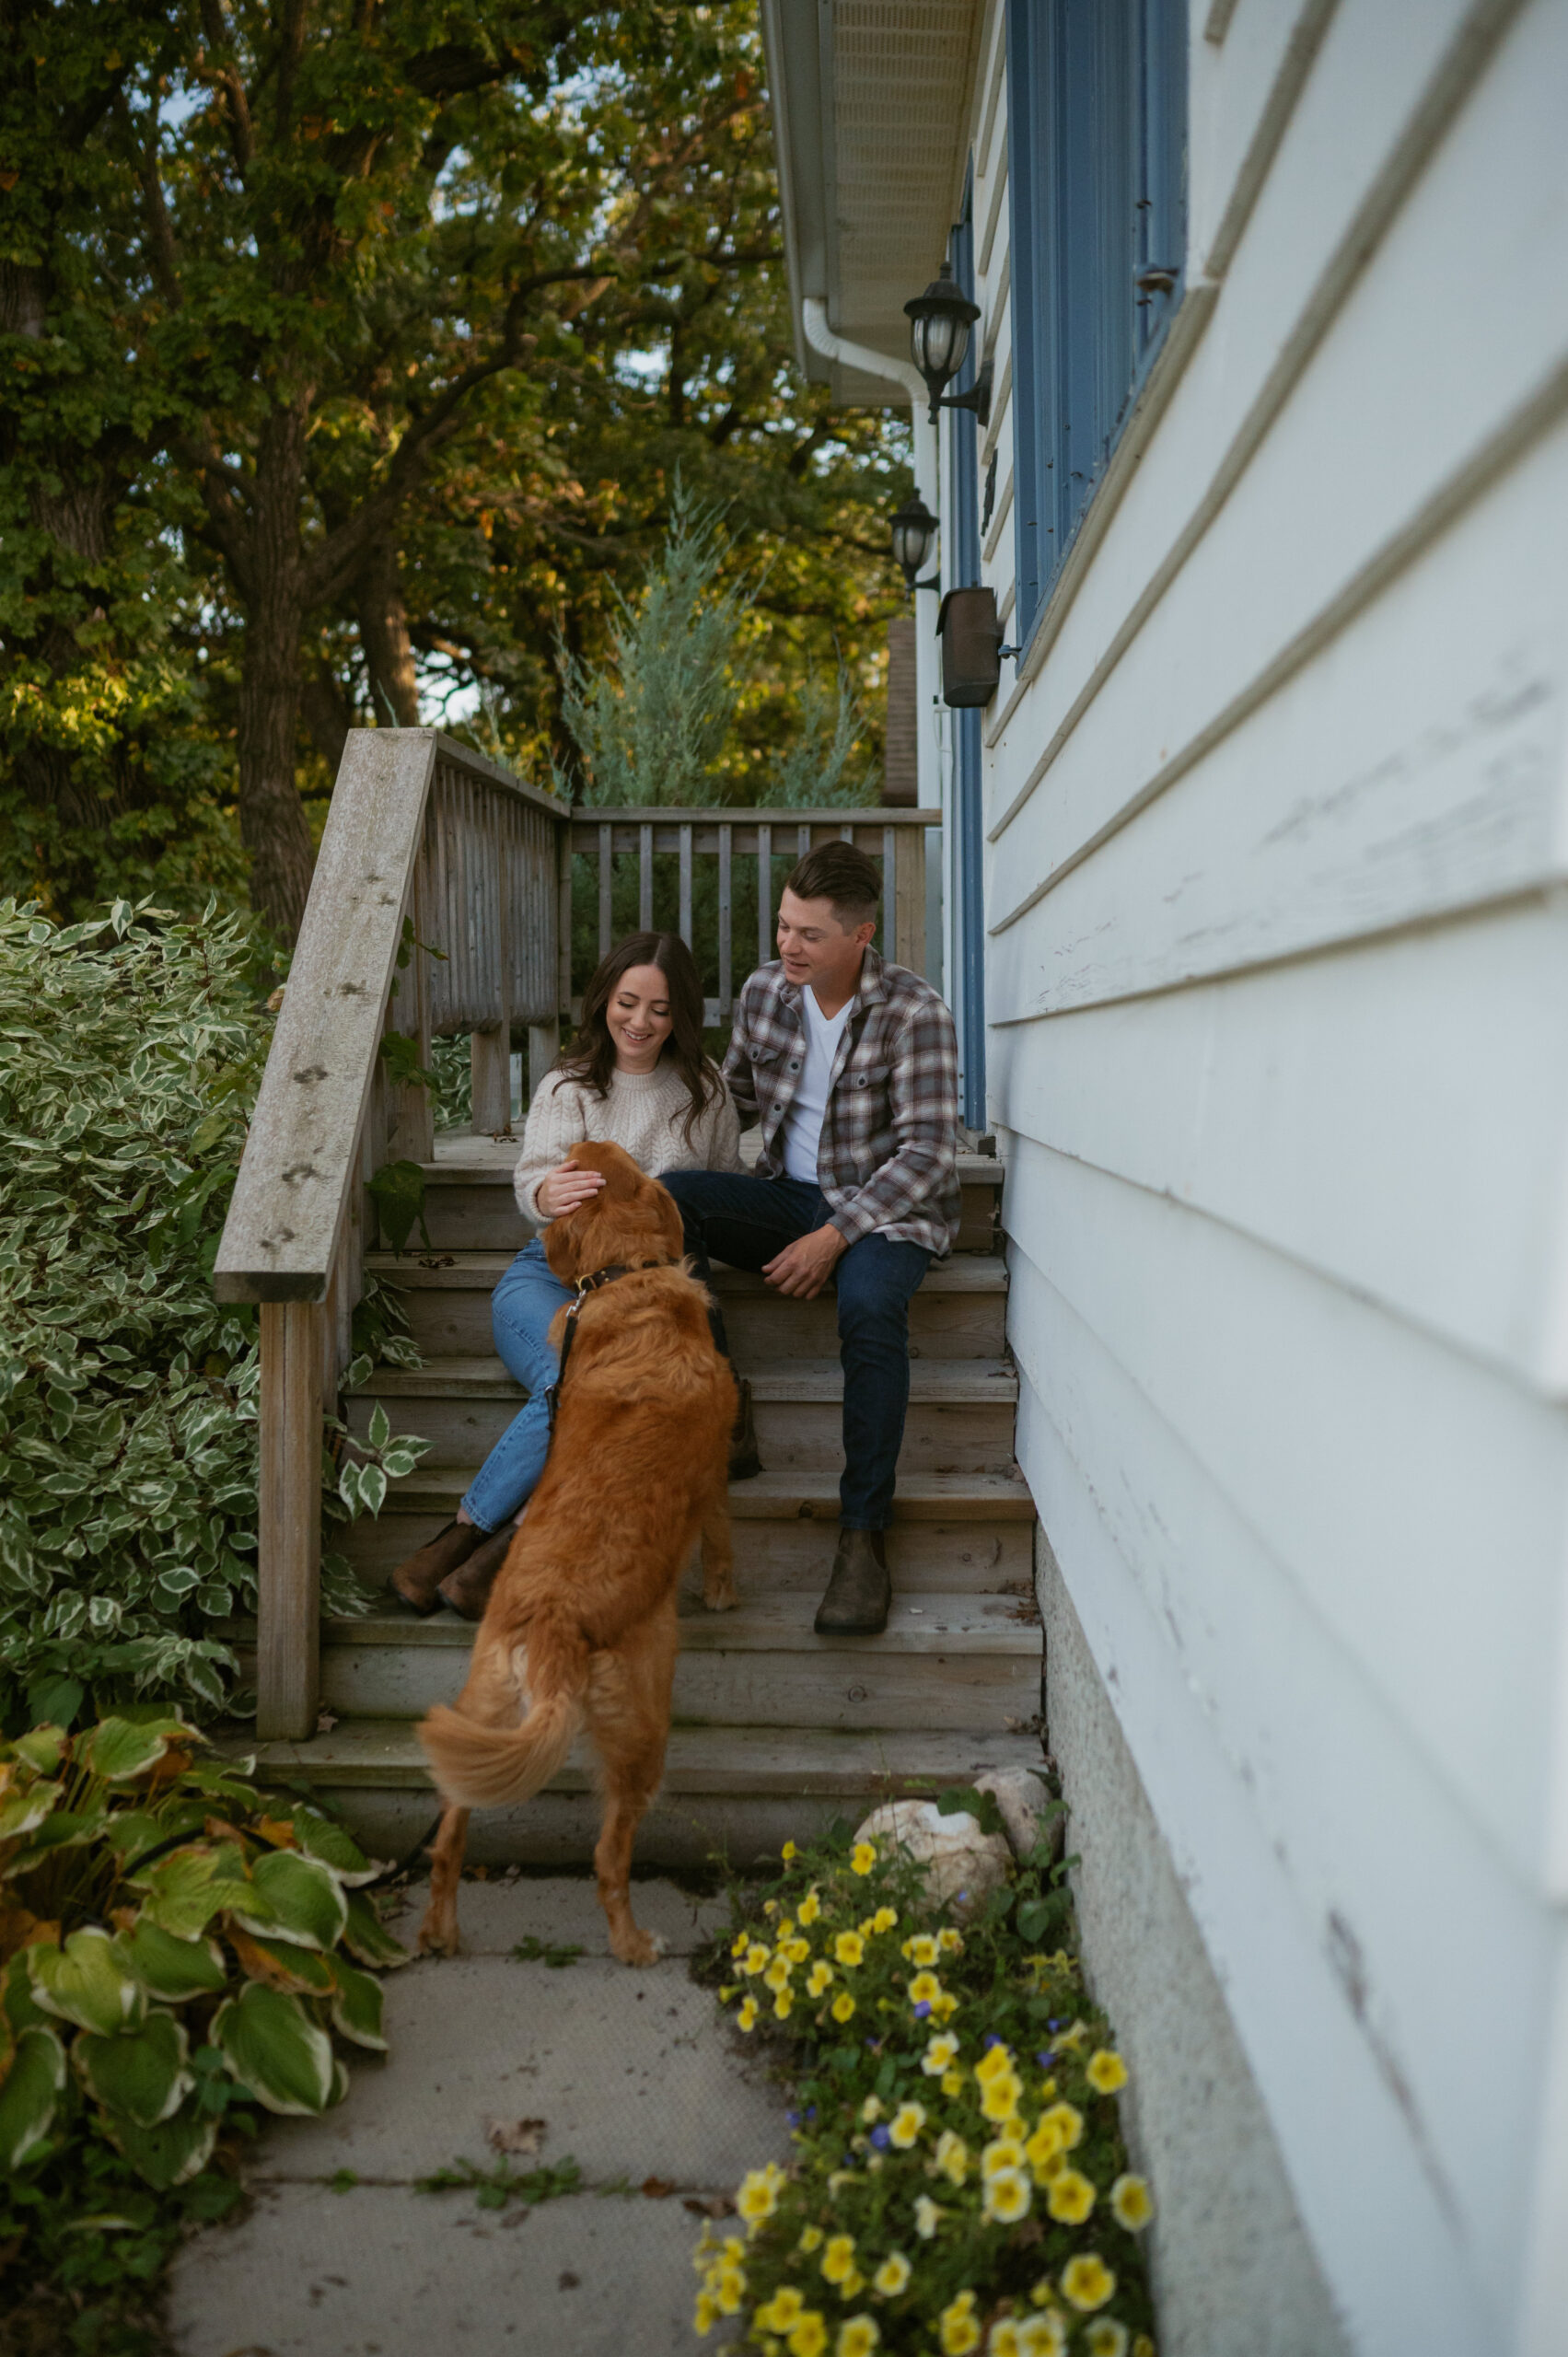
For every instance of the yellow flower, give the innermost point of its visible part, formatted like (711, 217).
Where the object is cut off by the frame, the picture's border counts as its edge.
(908, 2121)
(798, 1950)
(1043, 2147)
(784, 2310)
(951, 1943)
(810, 1908)
(957, 2327)
(810, 2238)
(838, 2260)
(789, 1851)
(707, 2314)
(769, 1907)
(993, 2062)
(741, 1943)
(1046, 2089)
(842, 2007)
(756, 1958)
(871, 2110)
(747, 2017)
(777, 1974)
(1131, 2204)
(1000, 2098)
(1067, 2121)
(1087, 2282)
(809, 2337)
(784, 2004)
(924, 1989)
(1143, 2346)
(863, 1857)
(1105, 2337)
(1042, 2336)
(945, 2006)
(821, 1976)
(926, 2217)
(731, 2291)
(952, 2155)
(759, 2195)
(1004, 2340)
(1106, 2070)
(1007, 2197)
(892, 2275)
(858, 2338)
(921, 1950)
(853, 2286)
(1007, 2153)
(849, 1948)
(952, 2083)
(1070, 2197)
(941, 2052)
(884, 1919)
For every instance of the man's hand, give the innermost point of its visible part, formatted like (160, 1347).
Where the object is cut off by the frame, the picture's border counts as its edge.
(562, 1190)
(803, 1267)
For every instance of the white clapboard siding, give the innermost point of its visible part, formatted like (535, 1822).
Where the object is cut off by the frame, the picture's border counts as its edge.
(1399, 2272)
(1240, 97)
(1375, 1467)
(1376, 415)
(1302, 1745)
(1415, 768)
(1267, 1101)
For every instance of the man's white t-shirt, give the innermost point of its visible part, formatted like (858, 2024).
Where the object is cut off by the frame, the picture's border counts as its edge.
(803, 1122)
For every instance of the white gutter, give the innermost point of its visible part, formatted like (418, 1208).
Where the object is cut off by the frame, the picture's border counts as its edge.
(911, 388)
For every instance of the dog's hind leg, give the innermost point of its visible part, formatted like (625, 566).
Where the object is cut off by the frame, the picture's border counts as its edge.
(627, 1708)
(492, 1696)
(718, 1551)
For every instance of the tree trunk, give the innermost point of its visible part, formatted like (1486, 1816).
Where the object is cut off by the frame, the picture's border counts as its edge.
(383, 636)
(271, 816)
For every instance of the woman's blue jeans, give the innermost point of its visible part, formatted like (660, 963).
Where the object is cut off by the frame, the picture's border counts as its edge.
(520, 1310)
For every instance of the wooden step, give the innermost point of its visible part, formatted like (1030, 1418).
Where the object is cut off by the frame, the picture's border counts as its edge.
(943, 1662)
(952, 1533)
(739, 1792)
(959, 1313)
(469, 1204)
(959, 1419)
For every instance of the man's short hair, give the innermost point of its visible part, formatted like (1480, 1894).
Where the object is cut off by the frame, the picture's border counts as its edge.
(851, 880)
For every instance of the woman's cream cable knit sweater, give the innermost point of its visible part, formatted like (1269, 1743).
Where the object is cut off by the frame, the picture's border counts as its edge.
(645, 1112)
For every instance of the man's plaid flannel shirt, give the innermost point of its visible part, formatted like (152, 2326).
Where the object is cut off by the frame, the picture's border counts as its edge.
(887, 1157)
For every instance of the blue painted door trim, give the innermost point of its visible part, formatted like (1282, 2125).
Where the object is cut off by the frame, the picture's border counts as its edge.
(968, 831)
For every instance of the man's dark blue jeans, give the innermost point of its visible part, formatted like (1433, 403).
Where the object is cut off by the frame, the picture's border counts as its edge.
(746, 1221)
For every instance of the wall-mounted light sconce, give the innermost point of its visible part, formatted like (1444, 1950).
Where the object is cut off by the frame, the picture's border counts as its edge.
(913, 529)
(940, 320)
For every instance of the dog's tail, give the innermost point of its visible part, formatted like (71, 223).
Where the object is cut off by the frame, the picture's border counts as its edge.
(481, 1766)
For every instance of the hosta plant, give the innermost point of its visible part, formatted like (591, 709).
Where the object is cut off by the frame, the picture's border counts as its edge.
(172, 1946)
(960, 2181)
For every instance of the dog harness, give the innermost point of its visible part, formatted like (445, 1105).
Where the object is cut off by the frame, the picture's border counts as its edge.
(585, 1285)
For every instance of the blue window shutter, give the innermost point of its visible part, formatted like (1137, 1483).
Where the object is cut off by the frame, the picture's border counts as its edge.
(1097, 100)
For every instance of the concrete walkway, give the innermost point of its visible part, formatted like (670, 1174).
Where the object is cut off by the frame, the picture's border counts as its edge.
(632, 2076)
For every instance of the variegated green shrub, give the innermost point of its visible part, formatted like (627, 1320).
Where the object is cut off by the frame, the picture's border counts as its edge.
(171, 1947)
(129, 1054)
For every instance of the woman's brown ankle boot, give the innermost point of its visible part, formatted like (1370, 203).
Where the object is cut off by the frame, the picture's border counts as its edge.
(468, 1588)
(417, 1579)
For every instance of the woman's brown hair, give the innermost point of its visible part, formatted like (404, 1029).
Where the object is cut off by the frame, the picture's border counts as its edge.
(591, 1056)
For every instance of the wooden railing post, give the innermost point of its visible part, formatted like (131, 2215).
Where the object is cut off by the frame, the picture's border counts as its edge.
(490, 1046)
(288, 1599)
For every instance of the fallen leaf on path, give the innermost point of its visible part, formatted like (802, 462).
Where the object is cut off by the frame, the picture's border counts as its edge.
(515, 2136)
(658, 2188)
(709, 2205)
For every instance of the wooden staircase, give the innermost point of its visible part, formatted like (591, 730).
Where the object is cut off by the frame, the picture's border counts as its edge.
(776, 1730)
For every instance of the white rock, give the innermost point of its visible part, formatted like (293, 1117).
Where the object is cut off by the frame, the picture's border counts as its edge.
(962, 1859)
(1023, 1800)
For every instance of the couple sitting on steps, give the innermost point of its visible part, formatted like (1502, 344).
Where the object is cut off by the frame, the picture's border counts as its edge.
(849, 1066)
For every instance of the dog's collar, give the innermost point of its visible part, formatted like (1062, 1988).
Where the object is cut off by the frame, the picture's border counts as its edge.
(614, 1269)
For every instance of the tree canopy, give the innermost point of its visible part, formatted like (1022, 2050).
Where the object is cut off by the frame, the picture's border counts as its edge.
(352, 352)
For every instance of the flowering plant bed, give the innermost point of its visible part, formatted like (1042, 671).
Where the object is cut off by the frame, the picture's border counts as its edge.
(961, 2181)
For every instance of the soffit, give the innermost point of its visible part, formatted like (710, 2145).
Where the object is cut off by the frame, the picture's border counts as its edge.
(871, 104)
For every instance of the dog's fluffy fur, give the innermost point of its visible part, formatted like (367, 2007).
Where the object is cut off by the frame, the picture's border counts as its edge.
(581, 1624)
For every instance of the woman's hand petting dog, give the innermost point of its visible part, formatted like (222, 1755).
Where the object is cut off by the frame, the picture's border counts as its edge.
(562, 1190)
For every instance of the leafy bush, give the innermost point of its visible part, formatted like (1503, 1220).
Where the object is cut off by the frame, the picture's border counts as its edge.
(961, 2179)
(174, 1953)
(129, 1054)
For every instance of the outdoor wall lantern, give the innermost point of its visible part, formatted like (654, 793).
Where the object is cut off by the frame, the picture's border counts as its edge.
(913, 528)
(940, 320)
(971, 646)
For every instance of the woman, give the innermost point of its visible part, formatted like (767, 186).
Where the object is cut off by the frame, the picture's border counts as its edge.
(636, 1073)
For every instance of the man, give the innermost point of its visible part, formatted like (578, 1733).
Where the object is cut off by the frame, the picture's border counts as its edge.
(850, 1068)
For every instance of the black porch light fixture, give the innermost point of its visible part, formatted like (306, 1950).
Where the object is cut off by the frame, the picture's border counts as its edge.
(940, 320)
(912, 528)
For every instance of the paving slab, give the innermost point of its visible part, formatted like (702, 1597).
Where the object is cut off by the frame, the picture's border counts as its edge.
(382, 2271)
(632, 2074)
(562, 1911)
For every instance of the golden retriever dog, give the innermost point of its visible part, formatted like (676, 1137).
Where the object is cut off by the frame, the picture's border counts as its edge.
(580, 1629)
